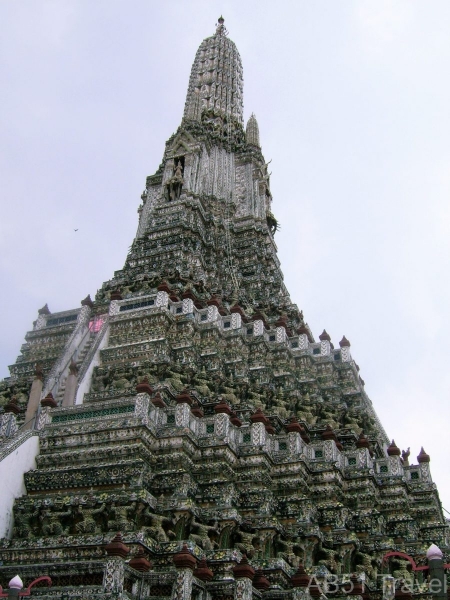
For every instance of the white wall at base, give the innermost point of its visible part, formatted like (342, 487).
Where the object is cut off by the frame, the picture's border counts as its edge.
(12, 485)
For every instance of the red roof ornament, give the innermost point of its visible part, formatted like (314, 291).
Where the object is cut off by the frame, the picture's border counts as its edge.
(294, 425)
(260, 581)
(197, 410)
(393, 449)
(222, 407)
(116, 547)
(244, 569)
(12, 406)
(139, 561)
(235, 420)
(282, 321)
(184, 559)
(300, 578)
(355, 586)
(324, 336)
(158, 401)
(184, 398)
(49, 401)
(164, 287)
(423, 457)
(115, 295)
(344, 343)
(328, 434)
(203, 572)
(143, 387)
(259, 417)
(214, 301)
(362, 441)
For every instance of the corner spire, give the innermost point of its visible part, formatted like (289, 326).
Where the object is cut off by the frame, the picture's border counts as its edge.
(252, 132)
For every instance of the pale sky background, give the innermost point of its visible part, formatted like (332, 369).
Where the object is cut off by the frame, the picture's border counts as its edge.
(352, 100)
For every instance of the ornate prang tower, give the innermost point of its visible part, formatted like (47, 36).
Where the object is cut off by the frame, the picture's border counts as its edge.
(184, 435)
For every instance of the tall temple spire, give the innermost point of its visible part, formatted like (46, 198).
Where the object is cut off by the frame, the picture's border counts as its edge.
(216, 77)
(188, 411)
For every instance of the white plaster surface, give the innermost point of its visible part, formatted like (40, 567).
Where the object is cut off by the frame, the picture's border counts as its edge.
(12, 469)
(85, 384)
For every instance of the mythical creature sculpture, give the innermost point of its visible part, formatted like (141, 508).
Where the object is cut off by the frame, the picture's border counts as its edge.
(204, 535)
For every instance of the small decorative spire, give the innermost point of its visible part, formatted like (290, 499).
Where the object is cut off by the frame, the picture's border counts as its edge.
(362, 442)
(344, 343)
(116, 547)
(49, 401)
(300, 578)
(222, 407)
(139, 561)
(252, 132)
(184, 398)
(158, 401)
(423, 456)
(393, 449)
(243, 569)
(203, 572)
(143, 387)
(293, 425)
(197, 410)
(184, 559)
(324, 336)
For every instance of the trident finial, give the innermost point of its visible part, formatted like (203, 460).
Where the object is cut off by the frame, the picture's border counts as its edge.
(220, 27)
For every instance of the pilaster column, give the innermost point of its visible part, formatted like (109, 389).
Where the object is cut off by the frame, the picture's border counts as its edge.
(71, 385)
(243, 574)
(34, 398)
(185, 564)
(114, 573)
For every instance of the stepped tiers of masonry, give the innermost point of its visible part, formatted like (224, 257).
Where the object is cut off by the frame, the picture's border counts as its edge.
(184, 435)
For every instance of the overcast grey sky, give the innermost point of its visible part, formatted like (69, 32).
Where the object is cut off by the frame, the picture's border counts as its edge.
(352, 100)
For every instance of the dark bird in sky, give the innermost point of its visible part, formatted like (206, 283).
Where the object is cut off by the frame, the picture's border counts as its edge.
(75, 229)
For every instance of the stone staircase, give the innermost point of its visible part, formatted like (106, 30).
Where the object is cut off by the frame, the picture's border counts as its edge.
(80, 360)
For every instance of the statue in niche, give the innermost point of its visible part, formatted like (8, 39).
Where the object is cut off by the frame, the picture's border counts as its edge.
(174, 185)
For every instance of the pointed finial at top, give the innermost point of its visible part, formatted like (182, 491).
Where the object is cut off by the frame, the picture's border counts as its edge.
(434, 552)
(220, 27)
(16, 583)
